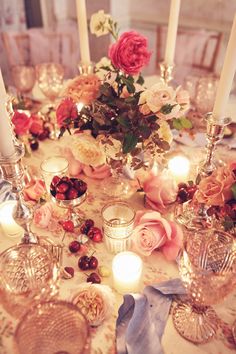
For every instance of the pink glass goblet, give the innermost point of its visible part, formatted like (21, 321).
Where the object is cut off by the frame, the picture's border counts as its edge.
(24, 78)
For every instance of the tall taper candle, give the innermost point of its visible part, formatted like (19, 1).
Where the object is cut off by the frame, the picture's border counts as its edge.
(172, 32)
(226, 77)
(6, 137)
(83, 31)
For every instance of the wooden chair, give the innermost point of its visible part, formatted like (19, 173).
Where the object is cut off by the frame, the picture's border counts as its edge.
(17, 48)
(195, 49)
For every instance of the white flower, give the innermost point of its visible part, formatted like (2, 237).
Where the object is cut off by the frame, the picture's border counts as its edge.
(87, 150)
(104, 61)
(99, 23)
(95, 301)
(105, 75)
(164, 132)
(159, 95)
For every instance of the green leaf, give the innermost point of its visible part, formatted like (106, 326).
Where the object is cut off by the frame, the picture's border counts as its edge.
(167, 108)
(233, 189)
(124, 121)
(144, 131)
(228, 223)
(129, 82)
(130, 141)
(186, 123)
(140, 80)
(177, 124)
(152, 119)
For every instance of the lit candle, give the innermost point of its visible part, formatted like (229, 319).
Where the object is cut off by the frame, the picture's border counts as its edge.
(8, 224)
(53, 166)
(127, 271)
(172, 32)
(226, 77)
(6, 138)
(179, 166)
(83, 31)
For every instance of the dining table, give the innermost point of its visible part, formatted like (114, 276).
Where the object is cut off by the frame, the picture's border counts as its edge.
(156, 268)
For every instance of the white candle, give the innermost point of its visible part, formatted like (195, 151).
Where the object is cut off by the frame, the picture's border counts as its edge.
(179, 167)
(127, 272)
(172, 31)
(8, 224)
(83, 31)
(53, 166)
(226, 78)
(6, 138)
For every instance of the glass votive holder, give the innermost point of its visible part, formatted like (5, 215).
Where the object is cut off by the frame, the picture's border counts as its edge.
(179, 166)
(8, 225)
(127, 272)
(118, 220)
(53, 166)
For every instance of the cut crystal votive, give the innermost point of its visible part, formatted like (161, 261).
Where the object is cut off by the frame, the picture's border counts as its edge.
(118, 221)
(55, 327)
(28, 274)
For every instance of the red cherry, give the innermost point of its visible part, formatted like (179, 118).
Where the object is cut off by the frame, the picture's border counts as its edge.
(65, 179)
(70, 270)
(93, 262)
(74, 246)
(83, 263)
(89, 223)
(60, 196)
(72, 194)
(84, 229)
(55, 180)
(95, 234)
(62, 187)
(191, 191)
(182, 185)
(68, 225)
(34, 145)
(94, 278)
(80, 186)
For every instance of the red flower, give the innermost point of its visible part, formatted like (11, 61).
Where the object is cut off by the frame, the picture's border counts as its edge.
(21, 122)
(130, 53)
(66, 110)
(36, 126)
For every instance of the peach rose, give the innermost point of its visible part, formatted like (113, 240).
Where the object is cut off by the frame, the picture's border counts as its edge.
(216, 189)
(160, 191)
(152, 231)
(158, 95)
(66, 110)
(42, 215)
(83, 89)
(35, 190)
(99, 172)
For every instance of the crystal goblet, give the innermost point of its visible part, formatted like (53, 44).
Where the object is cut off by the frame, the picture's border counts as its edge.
(28, 273)
(55, 327)
(24, 78)
(207, 267)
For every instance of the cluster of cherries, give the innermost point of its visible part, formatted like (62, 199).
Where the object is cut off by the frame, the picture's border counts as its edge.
(65, 188)
(90, 263)
(186, 191)
(34, 140)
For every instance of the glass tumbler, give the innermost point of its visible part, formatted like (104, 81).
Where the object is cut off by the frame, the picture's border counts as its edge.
(118, 220)
(54, 327)
(53, 166)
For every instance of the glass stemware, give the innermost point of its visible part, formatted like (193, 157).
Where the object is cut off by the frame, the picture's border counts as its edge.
(24, 78)
(207, 267)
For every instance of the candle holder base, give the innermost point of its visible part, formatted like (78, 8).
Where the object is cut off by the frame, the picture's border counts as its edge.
(86, 68)
(166, 71)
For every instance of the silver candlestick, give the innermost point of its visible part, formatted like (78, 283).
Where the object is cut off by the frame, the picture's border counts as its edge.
(166, 72)
(215, 132)
(86, 69)
(13, 171)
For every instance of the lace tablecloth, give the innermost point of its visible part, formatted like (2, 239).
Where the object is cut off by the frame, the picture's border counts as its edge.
(156, 269)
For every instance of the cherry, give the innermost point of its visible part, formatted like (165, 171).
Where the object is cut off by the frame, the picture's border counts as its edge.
(74, 246)
(93, 262)
(94, 278)
(62, 187)
(55, 181)
(183, 195)
(84, 229)
(72, 193)
(44, 135)
(89, 223)
(182, 185)
(70, 270)
(191, 191)
(34, 145)
(60, 196)
(68, 225)
(83, 263)
(95, 234)
(80, 186)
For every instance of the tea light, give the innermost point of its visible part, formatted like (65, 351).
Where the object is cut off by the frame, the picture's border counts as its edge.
(179, 167)
(118, 220)
(53, 166)
(127, 271)
(8, 224)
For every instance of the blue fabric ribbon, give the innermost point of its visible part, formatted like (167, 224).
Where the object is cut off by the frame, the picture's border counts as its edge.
(142, 318)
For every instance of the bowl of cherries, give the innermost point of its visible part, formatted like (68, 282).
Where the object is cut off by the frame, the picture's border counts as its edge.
(69, 193)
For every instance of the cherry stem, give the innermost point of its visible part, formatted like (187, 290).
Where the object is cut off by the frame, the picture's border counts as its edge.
(63, 236)
(92, 253)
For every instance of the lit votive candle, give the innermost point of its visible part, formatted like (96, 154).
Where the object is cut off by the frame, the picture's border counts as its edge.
(53, 166)
(8, 224)
(127, 272)
(179, 166)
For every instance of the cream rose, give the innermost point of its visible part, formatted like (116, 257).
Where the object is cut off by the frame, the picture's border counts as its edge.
(159, 95)
(99, 23)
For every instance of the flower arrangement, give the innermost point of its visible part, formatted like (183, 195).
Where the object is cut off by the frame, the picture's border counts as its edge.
(118, 108)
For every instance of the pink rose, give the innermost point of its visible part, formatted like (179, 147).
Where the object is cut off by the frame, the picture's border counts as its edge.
(99, 172)
(216, 189)
(66, 110)
(36, 125)
(35, 190)
(160, 190)
(152, 231)
(42, 215)
(130, 53)
(21, 122)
